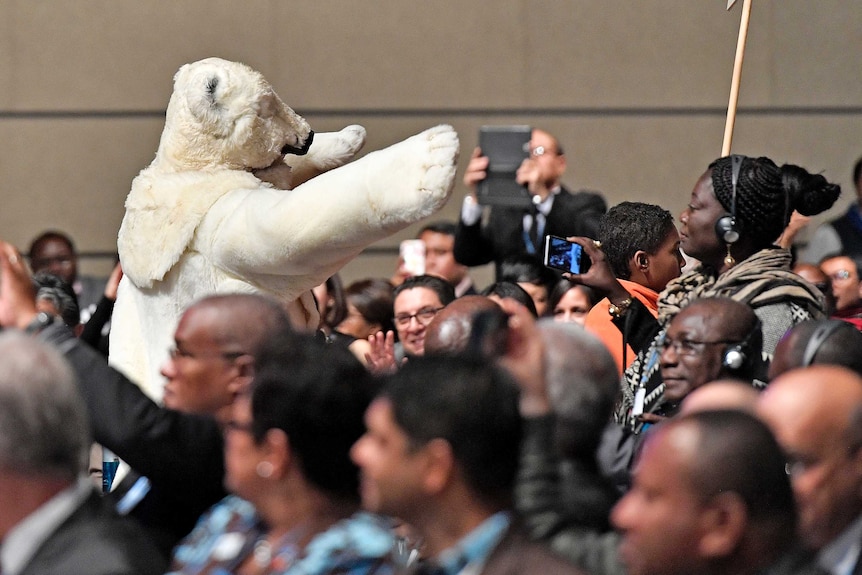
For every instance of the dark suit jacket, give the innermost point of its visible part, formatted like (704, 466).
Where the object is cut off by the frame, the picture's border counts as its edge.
(181, 454)
(516, 555)
(94, 540)
(503, 236)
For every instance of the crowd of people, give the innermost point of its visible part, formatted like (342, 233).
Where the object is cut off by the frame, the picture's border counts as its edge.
(692, 402)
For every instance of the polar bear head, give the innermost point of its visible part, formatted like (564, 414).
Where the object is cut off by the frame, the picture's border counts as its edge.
(225, 115)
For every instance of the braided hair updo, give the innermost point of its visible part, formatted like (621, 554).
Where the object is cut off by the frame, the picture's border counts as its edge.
(766, 195)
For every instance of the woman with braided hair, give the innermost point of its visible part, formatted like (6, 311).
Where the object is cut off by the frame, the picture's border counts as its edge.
(738, 209)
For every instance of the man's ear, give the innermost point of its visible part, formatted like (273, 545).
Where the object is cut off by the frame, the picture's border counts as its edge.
(641, 259)
(723, 523)
(439, 465)
(244, 366)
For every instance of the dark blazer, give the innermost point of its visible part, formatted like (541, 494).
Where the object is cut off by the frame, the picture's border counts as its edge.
(94, 540)
(517, 555)
(181, 454)
(572, 214)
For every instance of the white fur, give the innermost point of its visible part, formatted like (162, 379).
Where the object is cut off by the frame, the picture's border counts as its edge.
(214, 212)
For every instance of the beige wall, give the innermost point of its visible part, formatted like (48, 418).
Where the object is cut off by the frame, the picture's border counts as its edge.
(636, 91)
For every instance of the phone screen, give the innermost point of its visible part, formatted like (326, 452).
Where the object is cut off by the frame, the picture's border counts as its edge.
(561, 254)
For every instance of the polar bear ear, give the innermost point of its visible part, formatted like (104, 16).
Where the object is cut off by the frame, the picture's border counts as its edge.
(204, 87)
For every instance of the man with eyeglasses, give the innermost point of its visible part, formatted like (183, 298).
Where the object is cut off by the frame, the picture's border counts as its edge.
(416, 302)
(514, 231)
(816, 415)
(843, 272)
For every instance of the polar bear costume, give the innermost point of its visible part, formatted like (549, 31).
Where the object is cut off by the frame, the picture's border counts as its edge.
(222, 209)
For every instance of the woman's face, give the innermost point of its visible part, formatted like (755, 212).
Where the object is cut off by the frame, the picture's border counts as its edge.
(241, 454)
(572, 307)
(356, 325)
(697, 234)
(539, 295)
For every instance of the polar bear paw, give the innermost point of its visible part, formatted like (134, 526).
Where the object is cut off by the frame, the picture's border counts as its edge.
(430, 159)
(328, 151)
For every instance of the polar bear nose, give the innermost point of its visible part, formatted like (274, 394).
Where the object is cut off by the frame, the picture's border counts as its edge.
(288, 149)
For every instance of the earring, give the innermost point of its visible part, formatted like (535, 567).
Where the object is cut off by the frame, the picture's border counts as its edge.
(728, 259)
(264, 469)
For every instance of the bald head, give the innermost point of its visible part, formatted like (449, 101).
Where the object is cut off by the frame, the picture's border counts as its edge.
(242, 322)
(449, 331)
(816, 415)
(816, 342)
(721, 394)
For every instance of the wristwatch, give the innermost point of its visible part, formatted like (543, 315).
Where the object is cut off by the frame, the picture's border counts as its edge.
(40, 322)
(617, 311)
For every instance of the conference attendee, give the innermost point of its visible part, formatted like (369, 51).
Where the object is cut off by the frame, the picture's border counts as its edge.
(533, 277)
(511, 231)
(846, 285)
(641, 244)
(721, 394)
(570, 302)
(294, 506)
(816, 415)
(175, 450)
(502, 290)
(818, 342)
(816, 277)
(842, 235)
(439, 240)
(451, 330)
(737, 210)
(53, 251)
(52, 521)
(710, 496)
(441, 452)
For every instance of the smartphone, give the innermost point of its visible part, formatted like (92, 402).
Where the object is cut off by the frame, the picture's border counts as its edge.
(561, 254)
(412, 253)
(506, 147)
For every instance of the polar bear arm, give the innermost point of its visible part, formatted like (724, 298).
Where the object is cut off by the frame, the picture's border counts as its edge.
(329, 150)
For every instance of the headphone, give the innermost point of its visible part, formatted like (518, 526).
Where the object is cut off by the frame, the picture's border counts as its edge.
(823, 332)
(725, 227)
(739, 356)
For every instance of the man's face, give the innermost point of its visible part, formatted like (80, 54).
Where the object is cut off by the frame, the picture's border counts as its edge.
(414, 309)
(660, 516)
(202, 376)
(694, 347)
(825, 472)
(56, 257)
(845, 281)
(391, 473)
(545, 153)
(440, 259)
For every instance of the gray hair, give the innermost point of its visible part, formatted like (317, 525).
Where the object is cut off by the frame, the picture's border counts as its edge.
(583, 386)
(43, 422)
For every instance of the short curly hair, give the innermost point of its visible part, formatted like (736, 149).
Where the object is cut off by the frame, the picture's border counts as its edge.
(629, 227)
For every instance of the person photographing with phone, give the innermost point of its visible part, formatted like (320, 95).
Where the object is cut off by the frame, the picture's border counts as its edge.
(548, 209)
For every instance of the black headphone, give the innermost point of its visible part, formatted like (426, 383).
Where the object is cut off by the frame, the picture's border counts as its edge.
(739, 356)
(725, 227)
(819, 337)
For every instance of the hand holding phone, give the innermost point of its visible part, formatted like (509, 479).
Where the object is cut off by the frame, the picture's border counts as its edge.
(566, 256)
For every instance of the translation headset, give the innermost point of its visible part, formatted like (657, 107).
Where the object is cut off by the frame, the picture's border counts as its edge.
(725, 227)
(823, 332)
(739, 356)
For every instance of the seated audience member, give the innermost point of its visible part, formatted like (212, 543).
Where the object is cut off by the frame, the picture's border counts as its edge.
(51, 518)
(710, 496)
(641, 244)
(843, 273)
(331, 303)
(295, 502)
(818, 342)
(816, 277)
(570, 302)
(498, 291)
(369, 310)
(514, 231)
(816, 415)
(441, 452)
(451, 329)
(439, 240)
(176, 450)
(532, 276)
(53, 252)
(842, 235)
(561, 493)
(721, 394)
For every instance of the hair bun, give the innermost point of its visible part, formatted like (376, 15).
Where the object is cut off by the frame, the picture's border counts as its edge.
(809, 194)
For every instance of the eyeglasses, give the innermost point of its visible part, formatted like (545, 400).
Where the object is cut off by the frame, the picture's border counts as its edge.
(690, 347)
(177, 353)
(840, 275)
(540, 151)
(423, 316)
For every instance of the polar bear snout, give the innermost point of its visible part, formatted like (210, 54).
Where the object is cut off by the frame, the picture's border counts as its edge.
(288, 149)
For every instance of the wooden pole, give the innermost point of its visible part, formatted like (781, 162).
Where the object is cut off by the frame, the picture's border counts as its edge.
(737, 75)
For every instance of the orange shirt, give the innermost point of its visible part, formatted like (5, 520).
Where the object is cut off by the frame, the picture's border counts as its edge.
(600, 324)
